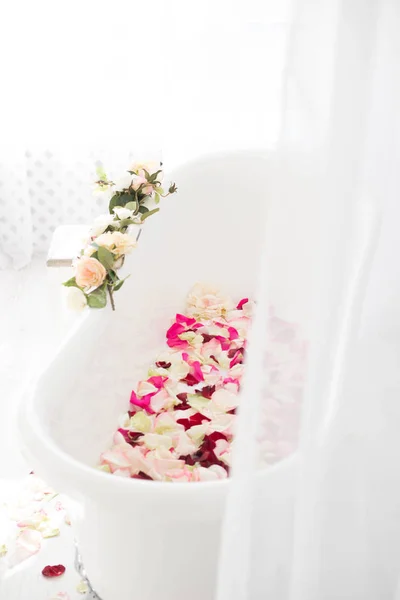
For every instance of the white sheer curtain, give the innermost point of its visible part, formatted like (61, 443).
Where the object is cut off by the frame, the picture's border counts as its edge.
(90, 80)
(95, 80)
(324, 524)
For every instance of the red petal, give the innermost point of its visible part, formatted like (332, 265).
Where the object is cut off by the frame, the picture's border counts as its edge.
(161, 364)
(196, 419)
(233, 333)
(189, 460)
(215, 436)
(143, 402)
(207, 391)
(190, 379)
(242, 303)
(175, 330)
(53, 571)
(206, 337)
(185, 320)
(205, 455)
(237, 359)
(130, 436)
(197, 372)
(141, 475)
(157, 381)
(184, 403)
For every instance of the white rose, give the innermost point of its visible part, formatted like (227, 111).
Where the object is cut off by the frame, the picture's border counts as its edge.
(123, 213)
(100, 224)
(89, 250)
(76, 299)
(123, 183)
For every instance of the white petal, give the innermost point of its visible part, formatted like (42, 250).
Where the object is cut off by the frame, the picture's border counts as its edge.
(76, 299)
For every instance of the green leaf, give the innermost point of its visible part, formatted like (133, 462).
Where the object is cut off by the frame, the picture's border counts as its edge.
(143, 209)
(71, 283)
(157, 198)
(153, 178)
(113, 276)
(98, 298)
(131, 205)
(106, 257)
(100, 172)
(113, 203)
(160, 190)
(120, 200)
(125, 198)
(119, 285)
(124, 223)
(149, 213)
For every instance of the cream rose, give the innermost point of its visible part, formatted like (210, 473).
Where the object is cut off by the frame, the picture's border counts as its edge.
(89, 272)
(117, 242)
(206, 302)
(151, 166)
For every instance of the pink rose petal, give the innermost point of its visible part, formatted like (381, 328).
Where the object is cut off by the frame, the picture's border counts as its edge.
(181, 319)
(29, 543)
(241, 303)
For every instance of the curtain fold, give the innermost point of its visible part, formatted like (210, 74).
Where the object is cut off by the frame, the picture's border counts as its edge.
(311, 527)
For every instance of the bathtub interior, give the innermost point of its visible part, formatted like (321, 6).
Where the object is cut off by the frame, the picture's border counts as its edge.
(201, 234)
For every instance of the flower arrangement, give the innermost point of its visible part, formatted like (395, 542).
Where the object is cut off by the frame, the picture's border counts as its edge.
(181, 421)
(132, 199)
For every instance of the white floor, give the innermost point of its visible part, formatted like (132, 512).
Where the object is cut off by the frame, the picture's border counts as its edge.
(32, 324)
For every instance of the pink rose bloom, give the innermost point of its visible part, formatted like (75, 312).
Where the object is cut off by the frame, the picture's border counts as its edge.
(137, 181)
(89, 272)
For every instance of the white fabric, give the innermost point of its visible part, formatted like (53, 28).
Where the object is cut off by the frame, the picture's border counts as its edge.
(325, 524)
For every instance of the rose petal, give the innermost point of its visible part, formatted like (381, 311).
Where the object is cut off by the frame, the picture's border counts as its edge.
(82, 587)
(53, 570)
(181, 319)
(242, 303)
(29, 542)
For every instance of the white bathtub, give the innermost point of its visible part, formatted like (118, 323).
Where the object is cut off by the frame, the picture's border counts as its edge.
(142, 539)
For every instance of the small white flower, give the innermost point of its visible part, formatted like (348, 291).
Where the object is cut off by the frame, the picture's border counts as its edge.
(123, 213)
(76, 299)
(89, 250)
(123, 183)
(100, 224)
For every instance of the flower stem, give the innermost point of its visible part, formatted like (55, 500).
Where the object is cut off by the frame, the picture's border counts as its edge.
(110, 292)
